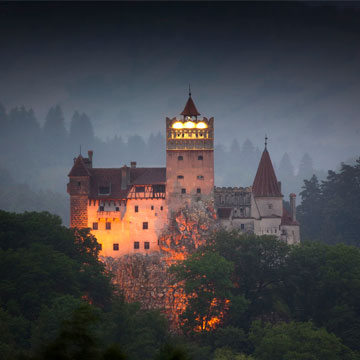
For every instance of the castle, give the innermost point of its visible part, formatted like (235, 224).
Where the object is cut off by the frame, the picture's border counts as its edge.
(127, 208)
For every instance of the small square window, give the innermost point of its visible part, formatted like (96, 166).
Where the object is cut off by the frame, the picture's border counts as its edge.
(152, 207)
(116, 247)
(180, 157)
(200, 177)
(136, 245)
(101, 208)
(161, 208)
(198, 191)
(180, 176)
(117, 208)
(108, 226)
(95, 226)
(145, 225)
(242, 226)
(136, 208)
(146, 245)
(200, 157)
(183, 191)
(100, 246)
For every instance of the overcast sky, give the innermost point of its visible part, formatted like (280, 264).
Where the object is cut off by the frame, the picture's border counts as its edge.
(291, 70)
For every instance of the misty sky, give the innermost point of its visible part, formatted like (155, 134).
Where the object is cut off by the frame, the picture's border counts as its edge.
(291, 70)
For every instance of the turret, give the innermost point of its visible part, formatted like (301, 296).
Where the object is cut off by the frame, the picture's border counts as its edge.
(189, 157)
(79, 189)
(266, 189)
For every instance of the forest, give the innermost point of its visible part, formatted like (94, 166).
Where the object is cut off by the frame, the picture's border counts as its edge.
(35, 159)
(248, 297)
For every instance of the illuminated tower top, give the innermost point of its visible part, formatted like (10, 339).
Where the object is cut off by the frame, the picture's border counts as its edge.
(190, 133)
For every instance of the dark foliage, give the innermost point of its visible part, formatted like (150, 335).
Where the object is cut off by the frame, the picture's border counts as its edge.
(330, 210)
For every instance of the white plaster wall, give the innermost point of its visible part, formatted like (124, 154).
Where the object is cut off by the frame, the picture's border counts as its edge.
(127, 226)
(264, 204)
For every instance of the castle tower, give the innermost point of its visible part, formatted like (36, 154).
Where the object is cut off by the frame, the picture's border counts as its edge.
(266, 189)
(189, 157)
(78, 189)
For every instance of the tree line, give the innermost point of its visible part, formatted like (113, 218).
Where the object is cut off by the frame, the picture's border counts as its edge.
(330, 209)
(39, 158)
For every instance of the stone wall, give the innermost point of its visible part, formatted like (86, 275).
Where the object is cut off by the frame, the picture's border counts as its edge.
(145, 278)
(78, 211)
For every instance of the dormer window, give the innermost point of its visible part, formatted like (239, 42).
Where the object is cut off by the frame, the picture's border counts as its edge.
(104, 190)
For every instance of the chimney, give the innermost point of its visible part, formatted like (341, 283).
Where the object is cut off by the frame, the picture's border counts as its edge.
(293, 206)
(90, 156)
(125, 177)
(133, 164)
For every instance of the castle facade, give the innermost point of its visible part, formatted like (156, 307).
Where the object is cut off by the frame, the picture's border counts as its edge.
(128, 208)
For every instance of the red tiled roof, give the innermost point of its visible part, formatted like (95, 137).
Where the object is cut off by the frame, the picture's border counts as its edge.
(265, 182)
(148, 176)
(79, 168)
(224, 213)
(102, 177)
(107, 177)
(190, 108)
(286, 219)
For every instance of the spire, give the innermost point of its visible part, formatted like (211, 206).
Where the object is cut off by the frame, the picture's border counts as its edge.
(266, 139)
(265, 182)
(190, 108)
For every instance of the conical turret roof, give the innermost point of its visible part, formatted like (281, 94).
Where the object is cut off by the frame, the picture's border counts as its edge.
(190, 108)
(79, 168)
(265, 182)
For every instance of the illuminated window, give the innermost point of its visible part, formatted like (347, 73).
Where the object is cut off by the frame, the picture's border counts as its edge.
(108, 226)
(145, 225)
(180, 157)
(146, 245)
(200, 157)
(183, 191)
(180, 176)
(136, 208)
(200, 177)
(116, 247)
(136, 245)
(198, 191)
(95, 226)
(201, 125)
(152, 207)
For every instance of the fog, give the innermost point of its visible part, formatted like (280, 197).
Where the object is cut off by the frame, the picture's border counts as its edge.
(105, 76)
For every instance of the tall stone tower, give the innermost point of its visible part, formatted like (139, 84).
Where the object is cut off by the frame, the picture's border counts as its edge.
(79, 189)
(189, 157)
